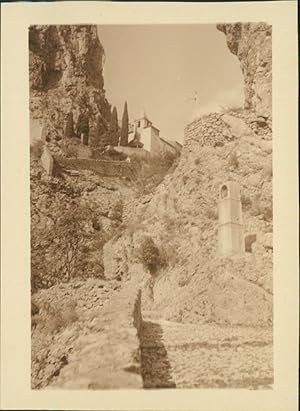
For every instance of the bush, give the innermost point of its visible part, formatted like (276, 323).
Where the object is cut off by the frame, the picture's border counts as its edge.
(69, 129)
(268, 172)
(246, 202)
(36, 149)
(97, 153)
(262, 208)
(59, 250)
(268, 213)
(211, 213)
(149, 255)
(70, 151)
(233, 160)
(231, 108)
(58, 317)
(169, 223)
(185, 179)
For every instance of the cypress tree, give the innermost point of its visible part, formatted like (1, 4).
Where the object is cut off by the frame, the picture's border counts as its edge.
(69, 130)
(114, 128)
(124, 127)
(101, 135)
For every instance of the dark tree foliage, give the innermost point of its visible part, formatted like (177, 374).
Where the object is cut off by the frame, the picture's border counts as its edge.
(114, 128)
(150, 255)
(101, 135)
(124, 127)
(69, 130)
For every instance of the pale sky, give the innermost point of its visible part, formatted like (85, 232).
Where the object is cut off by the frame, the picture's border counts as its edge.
(160, 67)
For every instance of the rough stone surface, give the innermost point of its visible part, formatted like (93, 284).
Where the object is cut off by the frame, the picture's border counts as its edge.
(205, 356)
(85, 335)
(108, 355)
(252, 44)
(65, 69)
(103, 168)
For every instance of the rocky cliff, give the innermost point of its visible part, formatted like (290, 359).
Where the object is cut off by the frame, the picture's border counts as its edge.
(65, 69)
(252, 44)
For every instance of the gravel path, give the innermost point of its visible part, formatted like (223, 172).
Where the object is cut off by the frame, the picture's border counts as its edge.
(205, 356)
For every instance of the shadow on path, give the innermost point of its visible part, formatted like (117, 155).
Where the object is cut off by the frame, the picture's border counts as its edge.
(156, 369)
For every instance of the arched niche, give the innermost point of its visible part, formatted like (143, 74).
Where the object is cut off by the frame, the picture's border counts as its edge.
(224, 191)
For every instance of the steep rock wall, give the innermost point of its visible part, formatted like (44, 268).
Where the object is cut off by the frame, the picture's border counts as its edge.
(65, 70)
(252, 44)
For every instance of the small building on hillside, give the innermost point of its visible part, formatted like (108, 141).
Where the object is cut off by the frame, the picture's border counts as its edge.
(143, 134)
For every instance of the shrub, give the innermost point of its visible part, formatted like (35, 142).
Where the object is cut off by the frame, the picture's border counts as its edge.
(59, 251)
(268, 213)
(233, 160)
(96, 153)
(168, 158)
(70, 151)
(246, 201)
(169, 223)
(268, 172)
(36, 149)
(260, 207)
(149, 255)
(59, 317)
(233, 108)
(197, 161)
(69, 129)
(211, 213)
(185, 179)
(117, 211)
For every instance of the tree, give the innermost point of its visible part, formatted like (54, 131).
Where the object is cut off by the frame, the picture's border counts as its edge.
(124, 127)
(114, 128)
(69, 130)
(59, 251)
(101, 137)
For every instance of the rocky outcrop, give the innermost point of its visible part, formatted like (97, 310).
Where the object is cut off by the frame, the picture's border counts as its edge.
(182, 219)
(65, 69)
(252, 44)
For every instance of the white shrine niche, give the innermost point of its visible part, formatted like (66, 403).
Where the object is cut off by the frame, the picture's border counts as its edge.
(231, 227)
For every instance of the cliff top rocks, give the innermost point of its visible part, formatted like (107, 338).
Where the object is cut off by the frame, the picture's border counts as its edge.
(65, 70)
(252, 44)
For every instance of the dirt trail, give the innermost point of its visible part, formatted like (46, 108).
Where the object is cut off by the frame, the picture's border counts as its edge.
(205, 356)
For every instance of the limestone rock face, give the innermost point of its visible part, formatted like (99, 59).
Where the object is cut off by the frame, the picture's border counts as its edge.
(65, 70)
(252, 44)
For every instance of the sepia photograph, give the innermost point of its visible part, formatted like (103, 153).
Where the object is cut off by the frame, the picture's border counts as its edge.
(151, 206)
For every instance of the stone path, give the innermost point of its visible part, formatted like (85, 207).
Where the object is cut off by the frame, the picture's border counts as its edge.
(205, 356)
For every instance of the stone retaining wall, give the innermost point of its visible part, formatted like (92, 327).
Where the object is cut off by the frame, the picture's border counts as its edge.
(109, 355)
(210, 129)
(103, 168)
(129, 151)
(218, 129)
